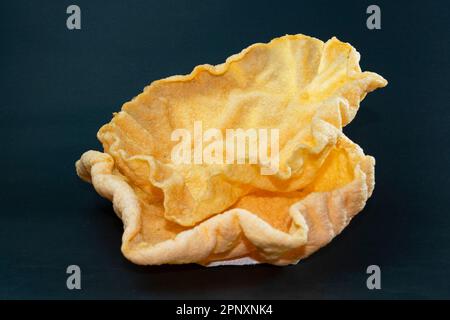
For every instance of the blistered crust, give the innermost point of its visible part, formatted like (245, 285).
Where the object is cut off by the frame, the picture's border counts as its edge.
(300, 85)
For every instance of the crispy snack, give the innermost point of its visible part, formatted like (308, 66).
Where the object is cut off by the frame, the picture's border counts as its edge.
(202, 213)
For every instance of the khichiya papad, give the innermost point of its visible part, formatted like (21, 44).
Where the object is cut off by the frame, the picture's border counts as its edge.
(214, 213)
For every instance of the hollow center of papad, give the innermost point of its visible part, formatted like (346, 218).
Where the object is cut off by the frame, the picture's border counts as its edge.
(272, 207)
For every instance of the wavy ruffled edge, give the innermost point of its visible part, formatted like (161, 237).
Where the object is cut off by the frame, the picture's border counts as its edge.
(236, 233)
(324, 130)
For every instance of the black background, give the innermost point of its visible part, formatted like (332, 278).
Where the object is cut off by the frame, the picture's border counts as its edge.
(59, 86)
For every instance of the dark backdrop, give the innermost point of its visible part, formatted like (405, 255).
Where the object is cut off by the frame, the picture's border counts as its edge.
(59, 86)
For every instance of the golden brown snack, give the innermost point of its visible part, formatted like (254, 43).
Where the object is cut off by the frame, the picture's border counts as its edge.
(181, 213)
